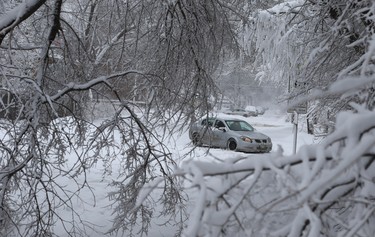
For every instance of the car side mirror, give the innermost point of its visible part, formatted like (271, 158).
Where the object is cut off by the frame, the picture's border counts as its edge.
(222, 129)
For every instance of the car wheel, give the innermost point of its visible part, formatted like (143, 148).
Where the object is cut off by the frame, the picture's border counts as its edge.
(232, 145)
(196, 139)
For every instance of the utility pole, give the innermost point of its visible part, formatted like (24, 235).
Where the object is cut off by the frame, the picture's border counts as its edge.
(296, 109)
(295, 131)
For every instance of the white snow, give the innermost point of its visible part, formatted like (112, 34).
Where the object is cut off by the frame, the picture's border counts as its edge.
(94, 208)
(286, 6)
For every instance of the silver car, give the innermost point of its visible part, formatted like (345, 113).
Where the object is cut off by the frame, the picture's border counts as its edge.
(230, 133)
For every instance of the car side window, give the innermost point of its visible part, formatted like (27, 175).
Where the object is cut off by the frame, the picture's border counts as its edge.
(206, 122)
(219, 124)
(236, 126)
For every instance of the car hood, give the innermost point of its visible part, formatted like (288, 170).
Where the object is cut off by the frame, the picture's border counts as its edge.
(254, 134)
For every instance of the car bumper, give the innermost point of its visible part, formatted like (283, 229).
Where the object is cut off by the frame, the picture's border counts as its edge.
(254, 147)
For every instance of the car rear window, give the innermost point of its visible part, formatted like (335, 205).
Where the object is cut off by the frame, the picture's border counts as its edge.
(210, 122)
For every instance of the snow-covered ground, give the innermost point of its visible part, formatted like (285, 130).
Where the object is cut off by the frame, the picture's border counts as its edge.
(94, 206)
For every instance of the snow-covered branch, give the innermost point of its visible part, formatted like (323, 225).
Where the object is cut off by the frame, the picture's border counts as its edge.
(14, 17)
(85, 86)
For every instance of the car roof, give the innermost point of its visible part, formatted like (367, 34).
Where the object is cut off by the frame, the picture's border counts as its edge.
(221, 117)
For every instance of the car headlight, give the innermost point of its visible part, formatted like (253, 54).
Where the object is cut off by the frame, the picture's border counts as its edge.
(246, 139)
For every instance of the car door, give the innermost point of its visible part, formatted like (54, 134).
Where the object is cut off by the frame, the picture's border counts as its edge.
(206, 131)
(219, 134)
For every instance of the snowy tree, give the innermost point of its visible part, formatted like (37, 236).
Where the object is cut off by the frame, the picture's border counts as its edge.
(312, 43)
(325, 189)
(57, 54)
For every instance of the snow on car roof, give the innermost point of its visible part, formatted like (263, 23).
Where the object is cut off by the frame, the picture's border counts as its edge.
(224, 116)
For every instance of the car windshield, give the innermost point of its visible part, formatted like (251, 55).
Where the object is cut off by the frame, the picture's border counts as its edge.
(238, 125)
